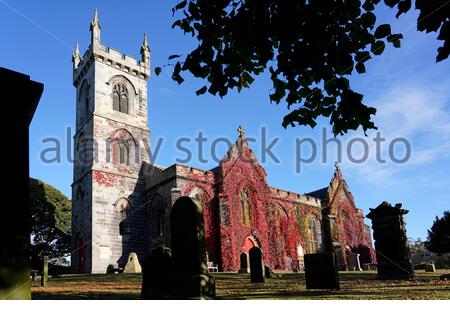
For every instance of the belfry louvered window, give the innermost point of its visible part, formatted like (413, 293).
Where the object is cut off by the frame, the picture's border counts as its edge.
(120, 98)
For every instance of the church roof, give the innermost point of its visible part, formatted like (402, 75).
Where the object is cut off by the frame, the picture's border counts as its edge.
(320, 193)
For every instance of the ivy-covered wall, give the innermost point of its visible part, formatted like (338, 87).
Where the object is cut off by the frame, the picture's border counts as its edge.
(242, 210)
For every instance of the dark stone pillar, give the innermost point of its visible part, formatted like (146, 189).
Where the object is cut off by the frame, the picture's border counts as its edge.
(257, 271)
(190, 277)
(321, 271)
(391, 242)
(15, 227)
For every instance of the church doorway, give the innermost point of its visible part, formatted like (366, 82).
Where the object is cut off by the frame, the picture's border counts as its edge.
(247, 245)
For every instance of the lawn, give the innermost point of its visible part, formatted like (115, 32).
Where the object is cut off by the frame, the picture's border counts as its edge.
(354, 285)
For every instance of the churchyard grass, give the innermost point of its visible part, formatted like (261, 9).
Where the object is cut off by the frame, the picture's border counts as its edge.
(284, 285)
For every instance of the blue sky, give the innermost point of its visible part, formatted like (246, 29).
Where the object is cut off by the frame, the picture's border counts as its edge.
(410, 91)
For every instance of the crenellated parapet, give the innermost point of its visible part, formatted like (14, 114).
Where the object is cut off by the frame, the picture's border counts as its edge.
(110, 56)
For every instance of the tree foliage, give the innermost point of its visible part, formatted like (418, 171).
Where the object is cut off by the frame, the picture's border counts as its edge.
(309, 47)
(438, 240)
(51, 221)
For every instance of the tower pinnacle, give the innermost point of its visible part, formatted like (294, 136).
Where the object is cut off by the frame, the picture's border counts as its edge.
(76, 58)
(145, 52)
(95, 29)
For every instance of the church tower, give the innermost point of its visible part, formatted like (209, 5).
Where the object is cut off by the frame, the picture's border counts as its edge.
(110, 144)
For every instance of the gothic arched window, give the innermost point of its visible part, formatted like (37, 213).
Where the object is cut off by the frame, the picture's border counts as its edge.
(120, 98)
(245, 207)
(121, 152)
(314, 235)
(83, 99)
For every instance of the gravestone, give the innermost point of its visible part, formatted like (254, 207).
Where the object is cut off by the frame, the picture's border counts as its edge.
(429, 267)
(353, 262)
(44, 276)
(244, 263)
(133, 265)
(391, 242)
(189, 277)
(257, 272)
(155, 274)
(321, 271)
(268, 272)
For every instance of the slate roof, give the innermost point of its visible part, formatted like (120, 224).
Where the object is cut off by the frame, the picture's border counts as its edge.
(321, 193)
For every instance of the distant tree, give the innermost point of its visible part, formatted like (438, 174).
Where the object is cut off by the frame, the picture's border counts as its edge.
(51, 221)
(309, 47)
(416, 245)
(438, 240)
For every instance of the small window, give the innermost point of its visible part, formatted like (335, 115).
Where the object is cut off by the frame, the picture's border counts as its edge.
(121, 152)
(245, 206)
(120, 98)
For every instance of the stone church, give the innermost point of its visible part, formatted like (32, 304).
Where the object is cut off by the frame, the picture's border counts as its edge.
(122, 202)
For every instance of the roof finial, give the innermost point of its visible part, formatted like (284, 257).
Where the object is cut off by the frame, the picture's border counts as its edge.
(336, 165)
(241, 131)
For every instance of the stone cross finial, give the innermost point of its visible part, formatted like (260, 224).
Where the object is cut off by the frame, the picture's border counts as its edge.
(241, 131)
(336, 165)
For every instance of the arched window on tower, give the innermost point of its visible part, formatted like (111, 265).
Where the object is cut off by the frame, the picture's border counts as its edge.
(120, 98)
(123, 147)
(121, 152)
(246, 207)
(83, 100)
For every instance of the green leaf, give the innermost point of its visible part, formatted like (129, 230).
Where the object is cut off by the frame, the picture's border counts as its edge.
(382, 31)
(181, 5)
(360, 68)
(378, 47)
(403, 7)
(368, 20)
(157, 70)
(201, 91)
(174, 56)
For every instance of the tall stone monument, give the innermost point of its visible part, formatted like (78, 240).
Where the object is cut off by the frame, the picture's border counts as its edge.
(257, 271)
(190, 277)
(391, 242)
(44, 276)
(15, 227)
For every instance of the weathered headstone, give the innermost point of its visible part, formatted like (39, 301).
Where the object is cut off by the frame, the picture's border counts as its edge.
(155, 274)
(321, 271)
(133, 265)
(244, 263)
(391, 242)
(268, 272)
(190, 277)
(353, 262)
(429, 267)
(257, 272)
(44, 276)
